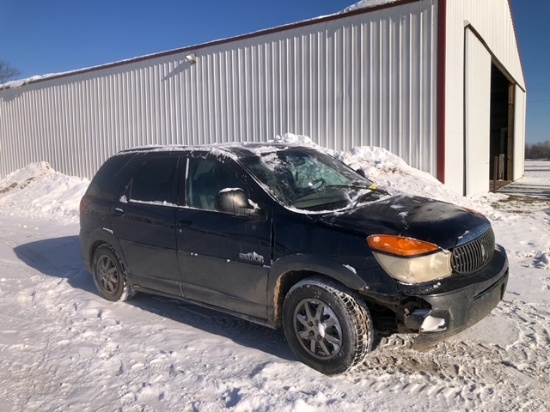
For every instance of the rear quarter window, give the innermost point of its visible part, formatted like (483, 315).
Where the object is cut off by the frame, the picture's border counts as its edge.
(108, 180)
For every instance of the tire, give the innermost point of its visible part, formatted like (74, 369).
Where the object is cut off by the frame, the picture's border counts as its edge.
(109, 275)
(327, 326)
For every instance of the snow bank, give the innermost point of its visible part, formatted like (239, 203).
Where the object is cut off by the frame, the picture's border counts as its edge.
(38, 191)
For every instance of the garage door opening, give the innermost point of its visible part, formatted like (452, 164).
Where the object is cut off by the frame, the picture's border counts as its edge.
(502, 129)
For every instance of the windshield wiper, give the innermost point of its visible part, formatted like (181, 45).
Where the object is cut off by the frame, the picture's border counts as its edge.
(350, 186)
(371, 190)
(373, 187)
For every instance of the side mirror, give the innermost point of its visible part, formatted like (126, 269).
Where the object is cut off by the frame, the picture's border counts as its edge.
(360, 172)
(234, 201)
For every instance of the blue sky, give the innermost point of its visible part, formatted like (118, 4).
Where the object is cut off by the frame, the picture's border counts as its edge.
(49, 36)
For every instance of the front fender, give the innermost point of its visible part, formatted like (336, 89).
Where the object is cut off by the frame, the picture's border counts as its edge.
(301, 263)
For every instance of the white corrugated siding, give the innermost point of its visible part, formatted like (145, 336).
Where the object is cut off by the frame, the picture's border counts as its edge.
(366, 79)
(477, 115)
(492, 20)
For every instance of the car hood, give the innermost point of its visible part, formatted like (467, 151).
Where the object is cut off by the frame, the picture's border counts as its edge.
(443, 224)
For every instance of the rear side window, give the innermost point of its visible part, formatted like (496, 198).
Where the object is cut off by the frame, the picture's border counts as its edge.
(107, 182)
(154, 180)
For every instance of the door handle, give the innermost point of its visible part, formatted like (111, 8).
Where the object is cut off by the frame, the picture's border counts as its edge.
(184, 222)
(118, 211)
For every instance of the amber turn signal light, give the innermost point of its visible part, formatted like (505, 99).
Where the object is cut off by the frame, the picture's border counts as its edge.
(400, 246)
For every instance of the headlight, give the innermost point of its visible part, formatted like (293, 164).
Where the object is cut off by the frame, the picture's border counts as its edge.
(410, 260)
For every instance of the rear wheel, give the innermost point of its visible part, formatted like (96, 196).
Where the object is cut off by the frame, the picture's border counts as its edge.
(327, 326)
(109, 276)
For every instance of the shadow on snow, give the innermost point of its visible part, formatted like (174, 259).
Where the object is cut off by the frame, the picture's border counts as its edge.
(61, 258)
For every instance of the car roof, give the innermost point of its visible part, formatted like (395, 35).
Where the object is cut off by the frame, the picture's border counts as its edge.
(240, 150)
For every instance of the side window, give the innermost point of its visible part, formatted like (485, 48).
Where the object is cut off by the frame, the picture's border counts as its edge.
(154, 181)
(112, 176)
(207, 177)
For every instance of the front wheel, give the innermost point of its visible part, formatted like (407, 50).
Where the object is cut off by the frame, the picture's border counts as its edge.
(109, 276)
(327, 327)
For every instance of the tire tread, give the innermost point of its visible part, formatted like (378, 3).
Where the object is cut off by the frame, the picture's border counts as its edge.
(357, 313)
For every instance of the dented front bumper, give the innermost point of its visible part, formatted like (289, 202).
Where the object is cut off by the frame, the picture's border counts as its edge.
(458, 304)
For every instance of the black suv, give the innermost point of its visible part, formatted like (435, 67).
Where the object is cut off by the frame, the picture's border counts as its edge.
(288, 235)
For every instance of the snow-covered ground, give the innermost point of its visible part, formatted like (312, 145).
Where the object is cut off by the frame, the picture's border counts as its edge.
(535, 183)
(63, 348)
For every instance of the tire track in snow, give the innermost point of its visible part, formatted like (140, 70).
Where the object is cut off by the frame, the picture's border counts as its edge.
(42, 371)
(473, 373)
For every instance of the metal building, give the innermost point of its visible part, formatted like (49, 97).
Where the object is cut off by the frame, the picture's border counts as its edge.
(437, 82)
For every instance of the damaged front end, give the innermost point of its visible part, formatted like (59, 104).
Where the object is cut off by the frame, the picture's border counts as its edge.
(439, 310)
(443, 291)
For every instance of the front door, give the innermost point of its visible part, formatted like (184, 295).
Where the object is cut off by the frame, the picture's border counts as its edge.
(224, 258)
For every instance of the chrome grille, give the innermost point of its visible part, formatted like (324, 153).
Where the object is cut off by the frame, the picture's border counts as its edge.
(473, 255)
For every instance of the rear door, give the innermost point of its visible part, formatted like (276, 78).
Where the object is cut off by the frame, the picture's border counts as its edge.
(224, 258)
(144, 222)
